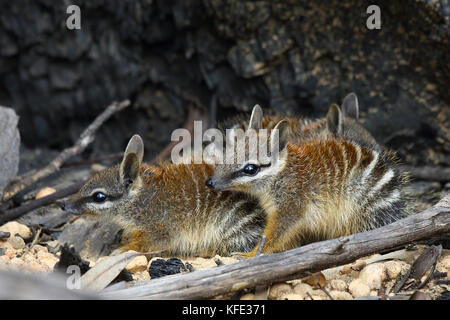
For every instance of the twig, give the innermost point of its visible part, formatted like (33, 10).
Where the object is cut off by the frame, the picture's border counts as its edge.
(85, 139)
(44, 201)
(326, 292)
(293, 264)
(441, 174)
(113, 156)
(261, 245)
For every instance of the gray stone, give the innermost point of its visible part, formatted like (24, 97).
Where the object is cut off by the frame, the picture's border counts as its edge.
(9, 146)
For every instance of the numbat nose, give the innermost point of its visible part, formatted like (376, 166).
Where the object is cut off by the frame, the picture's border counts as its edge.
(210, 183)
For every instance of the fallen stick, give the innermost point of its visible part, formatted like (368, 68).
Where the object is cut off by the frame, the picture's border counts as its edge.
(15, 213)
(292, 264)
(85, 139)
(441, 174)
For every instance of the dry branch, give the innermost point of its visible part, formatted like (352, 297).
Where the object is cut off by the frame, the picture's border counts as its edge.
(430, 173)
(85, 139)
(44, 201)
(292, 264)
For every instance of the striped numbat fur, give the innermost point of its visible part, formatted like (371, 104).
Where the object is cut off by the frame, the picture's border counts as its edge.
(324, 187)
(169, 207)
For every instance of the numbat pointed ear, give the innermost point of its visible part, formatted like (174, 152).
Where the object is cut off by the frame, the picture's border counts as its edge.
(279, 136)
(256, 118)
(131, 162)
(334, 119)
(350, 106)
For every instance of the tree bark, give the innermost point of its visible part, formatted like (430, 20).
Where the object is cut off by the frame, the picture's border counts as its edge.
(292, 264)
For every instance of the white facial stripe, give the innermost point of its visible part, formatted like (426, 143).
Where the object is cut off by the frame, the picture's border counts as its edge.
(96, 206)
(97, 190)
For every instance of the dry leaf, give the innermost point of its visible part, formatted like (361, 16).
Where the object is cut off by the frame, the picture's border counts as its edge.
(316, 280)
(98, 277)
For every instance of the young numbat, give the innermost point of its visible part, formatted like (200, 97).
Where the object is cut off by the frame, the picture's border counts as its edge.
(323, 187)
(169, 207)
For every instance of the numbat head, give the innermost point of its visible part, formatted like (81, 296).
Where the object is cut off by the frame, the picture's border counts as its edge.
(333, 184)
(169, 207)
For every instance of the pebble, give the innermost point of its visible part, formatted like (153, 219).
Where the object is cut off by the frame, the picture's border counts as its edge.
(445, 261)
(394, 268)
(302, 289)
(47, 259)
(373, 275)
(16, 242)
(137, 264)
(14, 228)
(141, 275)
(248, 296)
(358, 288)
(279, 289)
(339, 285)
(340, 295)
(38, 248)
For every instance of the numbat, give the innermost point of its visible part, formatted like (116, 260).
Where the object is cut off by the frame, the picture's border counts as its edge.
(169, 207)
(327, 186)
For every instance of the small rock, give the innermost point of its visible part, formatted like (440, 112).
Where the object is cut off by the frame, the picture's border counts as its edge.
(394, 268)
(17, 262)
(339, 285)
(277, 290)
(248, 296)
(4, 260)
(358, 288)
(302, 289)
(14, 228)
(45, 192)
(47, 259)
(355, 266)
(340, 295)
(10, 253)
(53, 244)
(141, 275)
(137, 264)
(373, 275)
(38, 248)
(17, 242)
(445, 261)
(37, 267)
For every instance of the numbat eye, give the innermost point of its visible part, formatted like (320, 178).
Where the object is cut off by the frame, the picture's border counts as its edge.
(99, 197)
(250, 169)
